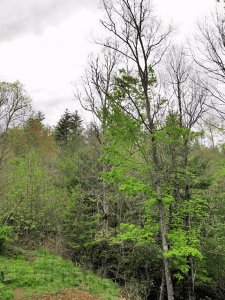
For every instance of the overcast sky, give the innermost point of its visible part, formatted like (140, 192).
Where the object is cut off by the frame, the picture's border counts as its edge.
(44, 44)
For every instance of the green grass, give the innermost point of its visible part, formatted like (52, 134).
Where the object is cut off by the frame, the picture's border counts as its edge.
(48, 274)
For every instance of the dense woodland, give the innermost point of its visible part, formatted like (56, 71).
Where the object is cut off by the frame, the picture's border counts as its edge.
(138, 195)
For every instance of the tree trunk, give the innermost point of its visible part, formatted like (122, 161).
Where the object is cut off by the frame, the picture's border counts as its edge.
(165, 250)
(161, 295)
(105, 202)
(162, 222)
(105, 224)
(191, 290)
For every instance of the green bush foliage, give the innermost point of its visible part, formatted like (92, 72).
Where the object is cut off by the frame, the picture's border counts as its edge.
(5, 232)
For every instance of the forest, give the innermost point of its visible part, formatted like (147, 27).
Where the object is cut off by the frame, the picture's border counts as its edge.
(137, 195)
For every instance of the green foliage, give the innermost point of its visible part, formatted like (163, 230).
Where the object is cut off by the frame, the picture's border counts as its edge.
(185, 236)
(5, 232)
(129, 152)
(31, 196)
(48, 184)
(80, 219)
(78, 162)
(15, 104)
(49, 273)
(135, 233)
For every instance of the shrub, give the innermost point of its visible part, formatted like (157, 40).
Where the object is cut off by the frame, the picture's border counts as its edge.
(5, 231)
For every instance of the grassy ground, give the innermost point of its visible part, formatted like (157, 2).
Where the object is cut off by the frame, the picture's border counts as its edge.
(43, 272)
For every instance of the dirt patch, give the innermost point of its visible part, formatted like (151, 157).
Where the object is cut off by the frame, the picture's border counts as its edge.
(69, 294)
(18, 294)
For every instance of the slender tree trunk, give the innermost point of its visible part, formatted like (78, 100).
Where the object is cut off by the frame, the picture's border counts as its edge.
(165, 250)
(162, 222)
(161, 295)
(105, 224)
(191, 292)
(105, 202)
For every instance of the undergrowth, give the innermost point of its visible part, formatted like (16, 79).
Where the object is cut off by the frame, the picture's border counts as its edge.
(49, 273)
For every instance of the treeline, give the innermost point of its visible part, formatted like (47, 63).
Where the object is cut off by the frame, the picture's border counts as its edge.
(137, 195)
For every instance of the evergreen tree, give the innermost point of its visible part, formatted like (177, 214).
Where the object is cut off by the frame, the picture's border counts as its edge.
(70, 124)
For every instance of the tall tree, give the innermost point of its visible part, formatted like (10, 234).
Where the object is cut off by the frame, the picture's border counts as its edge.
(92, 93)
(139, 37)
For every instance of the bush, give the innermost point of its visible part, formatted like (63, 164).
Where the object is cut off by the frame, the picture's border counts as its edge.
(5, 232)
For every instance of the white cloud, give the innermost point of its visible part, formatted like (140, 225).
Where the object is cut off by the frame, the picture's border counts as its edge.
(21, 17)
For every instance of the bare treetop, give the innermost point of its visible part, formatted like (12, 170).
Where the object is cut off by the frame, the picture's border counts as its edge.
(136, 32)
(209, 54)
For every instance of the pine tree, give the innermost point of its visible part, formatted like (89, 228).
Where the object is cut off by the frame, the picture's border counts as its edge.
(69, 125)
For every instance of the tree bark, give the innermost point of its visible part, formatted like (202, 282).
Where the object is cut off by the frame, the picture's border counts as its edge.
(191, 290)
(162, 222)
(105, 205)
(161, 295)
(165, 250)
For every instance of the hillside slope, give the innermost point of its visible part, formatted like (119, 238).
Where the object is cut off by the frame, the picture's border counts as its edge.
(42, 275)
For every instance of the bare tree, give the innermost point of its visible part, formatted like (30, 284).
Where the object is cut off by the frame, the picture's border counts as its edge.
(209, 53)
(92, 91)
(142, 41)
(97, 82)
(187, 95)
